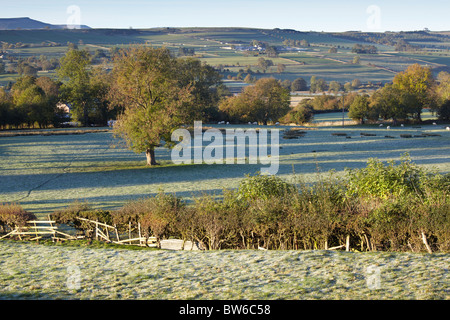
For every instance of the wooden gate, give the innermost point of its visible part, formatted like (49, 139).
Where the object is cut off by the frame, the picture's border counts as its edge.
(39, 229)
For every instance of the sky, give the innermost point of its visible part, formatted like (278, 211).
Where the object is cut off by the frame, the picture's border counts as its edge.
(319, 15)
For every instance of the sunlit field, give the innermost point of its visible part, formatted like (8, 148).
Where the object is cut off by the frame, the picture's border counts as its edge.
(336, 117)
(45, 173)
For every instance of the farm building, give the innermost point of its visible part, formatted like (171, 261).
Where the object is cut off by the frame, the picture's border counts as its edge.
(64, 107)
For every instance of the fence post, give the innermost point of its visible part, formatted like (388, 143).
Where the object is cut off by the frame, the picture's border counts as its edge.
(129, 230)
(35, 230)
(425, 242)
(139, 230)
(117, 233)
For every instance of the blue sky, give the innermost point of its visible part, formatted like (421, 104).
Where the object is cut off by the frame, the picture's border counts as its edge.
(323, 15)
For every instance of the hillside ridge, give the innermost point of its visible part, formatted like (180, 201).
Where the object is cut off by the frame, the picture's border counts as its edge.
(29, 24)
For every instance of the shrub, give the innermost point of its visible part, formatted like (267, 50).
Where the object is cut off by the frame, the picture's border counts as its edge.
(430, 215)
(393, 206)
(388, 225)
(186, 225)
(236, 230)
(302, 113)
(81, 210)
(158, 214)
(436, 182)
(383, 181)
(317, 214)
(267, 222)
(216, 223)
(263, 187)
(129, 214)
(13, 215)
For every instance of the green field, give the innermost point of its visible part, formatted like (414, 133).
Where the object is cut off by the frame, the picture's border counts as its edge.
(211, 45)
(45, 173)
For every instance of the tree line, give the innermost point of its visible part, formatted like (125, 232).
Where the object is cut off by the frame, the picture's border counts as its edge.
(91, 91)
(30, 101)
(410, 92)
(29, 66)
(404, 99)
(400, 40)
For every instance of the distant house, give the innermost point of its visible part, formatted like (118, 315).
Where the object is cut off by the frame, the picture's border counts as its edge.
(64, 108)
(111, 123)
(249, 48)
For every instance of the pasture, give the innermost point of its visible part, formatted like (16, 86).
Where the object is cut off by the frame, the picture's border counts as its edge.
(44, 173)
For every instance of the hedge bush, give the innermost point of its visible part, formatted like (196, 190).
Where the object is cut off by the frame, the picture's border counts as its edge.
(12, 215)
(84, 210)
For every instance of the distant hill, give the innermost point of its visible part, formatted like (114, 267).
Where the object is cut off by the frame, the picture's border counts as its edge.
(29, 24)
(236, 50)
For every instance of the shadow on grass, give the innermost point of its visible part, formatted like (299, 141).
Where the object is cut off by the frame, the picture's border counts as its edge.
(112, 202)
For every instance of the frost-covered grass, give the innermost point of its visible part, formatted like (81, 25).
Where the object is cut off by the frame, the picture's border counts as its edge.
(46, 173)
(30, 271)
(337, 117)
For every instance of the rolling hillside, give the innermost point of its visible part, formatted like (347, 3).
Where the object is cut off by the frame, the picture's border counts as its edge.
(304, 54)
(28, 24)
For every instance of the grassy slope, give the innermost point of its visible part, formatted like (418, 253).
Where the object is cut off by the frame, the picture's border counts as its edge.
(30, 271)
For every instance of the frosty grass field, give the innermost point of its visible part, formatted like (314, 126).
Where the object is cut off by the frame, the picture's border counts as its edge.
(55, 272)
(46, 173)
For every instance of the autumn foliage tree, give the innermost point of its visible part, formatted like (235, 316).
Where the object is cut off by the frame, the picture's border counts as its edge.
(206, 84)
(299, 84)
(145, 82)
(158, 93)
(443, 96)
(417, 85)
(265, 101)
(300, 114)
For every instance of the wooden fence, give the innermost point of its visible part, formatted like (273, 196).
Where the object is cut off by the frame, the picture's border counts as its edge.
(111, 234)
(40, 229)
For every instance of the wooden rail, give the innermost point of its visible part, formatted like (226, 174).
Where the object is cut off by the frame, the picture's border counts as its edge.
(102, 231)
